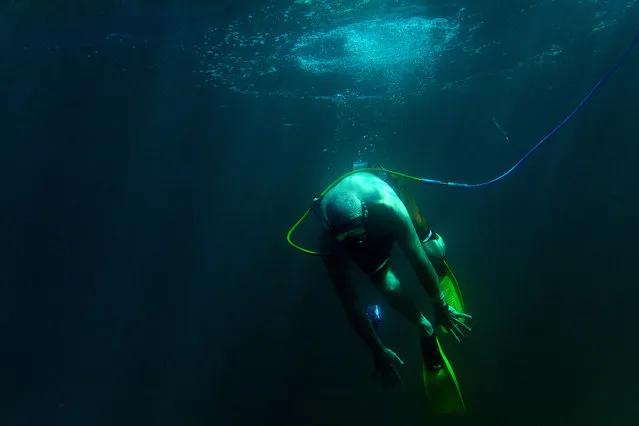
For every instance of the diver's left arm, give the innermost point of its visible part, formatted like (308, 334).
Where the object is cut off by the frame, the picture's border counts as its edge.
(407, 239)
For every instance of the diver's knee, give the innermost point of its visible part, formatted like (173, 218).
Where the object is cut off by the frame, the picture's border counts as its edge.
(391, 283)
(435, 249)
(425, 325)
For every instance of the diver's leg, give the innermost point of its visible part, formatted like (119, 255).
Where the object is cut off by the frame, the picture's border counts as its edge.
(388, 284)
(398, 298)
(435, 249)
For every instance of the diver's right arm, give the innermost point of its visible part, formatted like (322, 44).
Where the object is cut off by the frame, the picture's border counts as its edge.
(384, 359)
(344, 289)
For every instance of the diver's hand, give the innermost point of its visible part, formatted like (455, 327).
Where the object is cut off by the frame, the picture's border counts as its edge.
(450, 319)
(386, 362)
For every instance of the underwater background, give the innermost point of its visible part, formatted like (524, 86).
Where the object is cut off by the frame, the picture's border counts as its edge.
(155, 154)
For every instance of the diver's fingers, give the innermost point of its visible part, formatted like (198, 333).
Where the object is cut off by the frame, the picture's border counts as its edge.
(448, 328)
(459, 332)
(466, 326)
(463, 315)
(453, 332)
(395, 357)
(459, 323)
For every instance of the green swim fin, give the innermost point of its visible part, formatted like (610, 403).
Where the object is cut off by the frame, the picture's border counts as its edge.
(440, 383)
(452, 294)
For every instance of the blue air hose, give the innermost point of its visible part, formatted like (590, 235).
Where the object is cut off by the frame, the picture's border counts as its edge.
(549, 135)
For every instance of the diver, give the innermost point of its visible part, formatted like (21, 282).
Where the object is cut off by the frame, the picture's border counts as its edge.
(363, 217)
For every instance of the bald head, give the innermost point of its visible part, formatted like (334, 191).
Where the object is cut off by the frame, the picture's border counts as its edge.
(342, 208)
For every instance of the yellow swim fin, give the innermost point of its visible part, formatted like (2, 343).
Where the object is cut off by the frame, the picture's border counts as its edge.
(441, 386)
(440, 383)
(452, 294)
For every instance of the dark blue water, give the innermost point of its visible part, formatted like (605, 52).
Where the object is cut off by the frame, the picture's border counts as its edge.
(145, 272)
